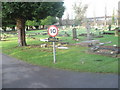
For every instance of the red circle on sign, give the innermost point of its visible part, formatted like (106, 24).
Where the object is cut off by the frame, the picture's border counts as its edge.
(53, 30)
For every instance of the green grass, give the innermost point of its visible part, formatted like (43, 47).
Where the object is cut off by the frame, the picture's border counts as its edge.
(75, 58)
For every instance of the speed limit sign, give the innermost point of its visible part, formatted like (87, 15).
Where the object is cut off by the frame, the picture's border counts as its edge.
(53, 30)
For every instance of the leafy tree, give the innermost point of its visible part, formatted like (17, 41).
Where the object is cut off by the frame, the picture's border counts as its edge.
(8, 23)
(59, 14)
(23, 11)
(32, 23)
(48, 21)
(80, 11)
(113, 17)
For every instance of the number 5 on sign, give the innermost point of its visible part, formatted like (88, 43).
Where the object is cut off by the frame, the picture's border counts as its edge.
(53, 30)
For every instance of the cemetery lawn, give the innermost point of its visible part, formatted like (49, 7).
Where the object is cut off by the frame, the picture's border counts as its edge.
(75, 58)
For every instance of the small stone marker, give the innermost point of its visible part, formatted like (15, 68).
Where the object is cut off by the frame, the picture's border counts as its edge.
(74, 33)
(62, 47)
(43, 45)
(89, 43)
(44, 40)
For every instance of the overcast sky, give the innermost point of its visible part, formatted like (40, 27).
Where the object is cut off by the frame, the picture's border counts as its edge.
(95, 7)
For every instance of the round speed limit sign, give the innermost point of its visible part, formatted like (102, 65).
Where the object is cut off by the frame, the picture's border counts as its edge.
(53, 30)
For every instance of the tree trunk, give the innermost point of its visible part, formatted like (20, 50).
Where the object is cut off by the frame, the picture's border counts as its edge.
(13, 28)
(37, 27)
(27, 28)
(43, 26)
(21, 32)
(31, 27)
(4, 28)
(60, 21)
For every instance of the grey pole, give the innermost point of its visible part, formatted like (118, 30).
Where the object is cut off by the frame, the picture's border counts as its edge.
(54, 53)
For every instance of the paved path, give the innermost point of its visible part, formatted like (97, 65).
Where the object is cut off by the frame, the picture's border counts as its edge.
(18, 74)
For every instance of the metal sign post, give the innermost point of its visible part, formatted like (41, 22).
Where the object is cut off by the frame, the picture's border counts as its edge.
(54, 53)
(53, 31)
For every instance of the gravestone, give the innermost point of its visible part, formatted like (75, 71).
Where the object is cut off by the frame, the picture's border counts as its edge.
(44, 40)
(74, 33)
(62, 47)
(109, 27)
(88, 31)
(88, 43)
(106, 50)
(117, 32)
(66, 34)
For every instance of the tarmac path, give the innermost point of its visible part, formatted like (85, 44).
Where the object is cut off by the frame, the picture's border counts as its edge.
(18, 74)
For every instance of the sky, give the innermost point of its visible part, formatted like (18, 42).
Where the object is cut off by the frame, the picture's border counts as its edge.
(95, 7)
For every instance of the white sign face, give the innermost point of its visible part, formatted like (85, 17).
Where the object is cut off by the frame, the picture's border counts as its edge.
(53, 30)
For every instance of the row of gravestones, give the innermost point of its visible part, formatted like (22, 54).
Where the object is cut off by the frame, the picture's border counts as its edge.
(91, 35)
(100, 49)
(64, 35)
(88, 34)
(106, 50)
(3, 37)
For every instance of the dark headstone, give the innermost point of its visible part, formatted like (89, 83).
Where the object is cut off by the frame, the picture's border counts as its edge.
(98, 36)
(64, 43)
(83, 34)
(108, 33)
(109, 27)
(74, 33)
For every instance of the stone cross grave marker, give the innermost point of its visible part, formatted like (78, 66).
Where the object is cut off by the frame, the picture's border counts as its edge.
(88, 31)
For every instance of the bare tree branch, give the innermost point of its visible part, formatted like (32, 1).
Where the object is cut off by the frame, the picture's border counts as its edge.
(80, 11)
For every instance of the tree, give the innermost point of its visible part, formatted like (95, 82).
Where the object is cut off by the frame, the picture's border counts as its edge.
(67, 20)
(48, 21)
(80, 11)
(59, 15)
(8, 23)
(113, 17)
(23, 11)
(31, 23)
